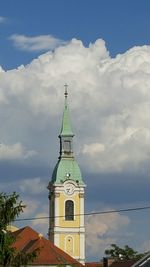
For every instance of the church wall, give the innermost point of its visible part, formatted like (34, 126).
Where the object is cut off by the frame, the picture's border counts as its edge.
(72, 249)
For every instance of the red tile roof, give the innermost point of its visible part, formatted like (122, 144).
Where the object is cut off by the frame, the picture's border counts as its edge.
(93, 264)
(123, 263)
(27, 240)
(111, 263)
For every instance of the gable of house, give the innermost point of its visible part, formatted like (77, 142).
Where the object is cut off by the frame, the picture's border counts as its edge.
(28, 240)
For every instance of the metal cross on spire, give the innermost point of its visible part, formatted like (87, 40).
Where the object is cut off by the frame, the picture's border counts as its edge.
(66, 92)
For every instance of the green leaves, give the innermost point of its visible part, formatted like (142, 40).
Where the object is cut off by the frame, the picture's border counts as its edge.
(22, 258)
(6, 249)
(10, 209)
(126, 253)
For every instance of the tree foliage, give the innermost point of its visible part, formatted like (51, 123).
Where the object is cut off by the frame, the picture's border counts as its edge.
(10, 208)
(126, 253)
(22, 259)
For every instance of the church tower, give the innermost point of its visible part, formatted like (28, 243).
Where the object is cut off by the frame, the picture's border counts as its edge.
(66, 195)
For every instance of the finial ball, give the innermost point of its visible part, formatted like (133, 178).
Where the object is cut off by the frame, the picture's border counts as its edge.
(40, 236)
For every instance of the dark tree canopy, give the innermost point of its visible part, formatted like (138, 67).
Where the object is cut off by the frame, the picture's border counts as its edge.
(125, 253)
(10, 208)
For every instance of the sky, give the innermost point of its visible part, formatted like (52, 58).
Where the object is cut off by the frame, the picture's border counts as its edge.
(102, 50)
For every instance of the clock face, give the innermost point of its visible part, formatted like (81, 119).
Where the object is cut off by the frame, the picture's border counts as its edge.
(69, 189)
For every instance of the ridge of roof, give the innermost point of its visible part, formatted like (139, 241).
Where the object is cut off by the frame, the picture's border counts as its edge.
(23, 230)
(18, 231)
(29, 240)
(23, 236)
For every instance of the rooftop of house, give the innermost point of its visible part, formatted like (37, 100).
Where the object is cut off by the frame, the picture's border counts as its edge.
(93, 264)
(123, 263)
(111, 263)
(27, 240)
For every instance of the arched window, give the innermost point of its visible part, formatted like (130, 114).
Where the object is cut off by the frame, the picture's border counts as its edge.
(69, 210)
(69, 245)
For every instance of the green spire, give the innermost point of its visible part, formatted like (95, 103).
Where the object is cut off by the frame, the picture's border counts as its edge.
(66, 165)
(66, 125)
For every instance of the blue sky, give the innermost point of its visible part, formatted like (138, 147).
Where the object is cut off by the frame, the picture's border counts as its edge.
(101, 48)
(122, 24)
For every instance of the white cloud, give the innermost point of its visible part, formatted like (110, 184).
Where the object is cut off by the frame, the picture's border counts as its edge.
(93, 149)
(36, 43)
(109, 103)
(145, 246)
(102, 231)
(35, 213)
(31, 206)
(41, 224)
(121, 152)
(3, 19)
(15, 151)
(32, 186)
